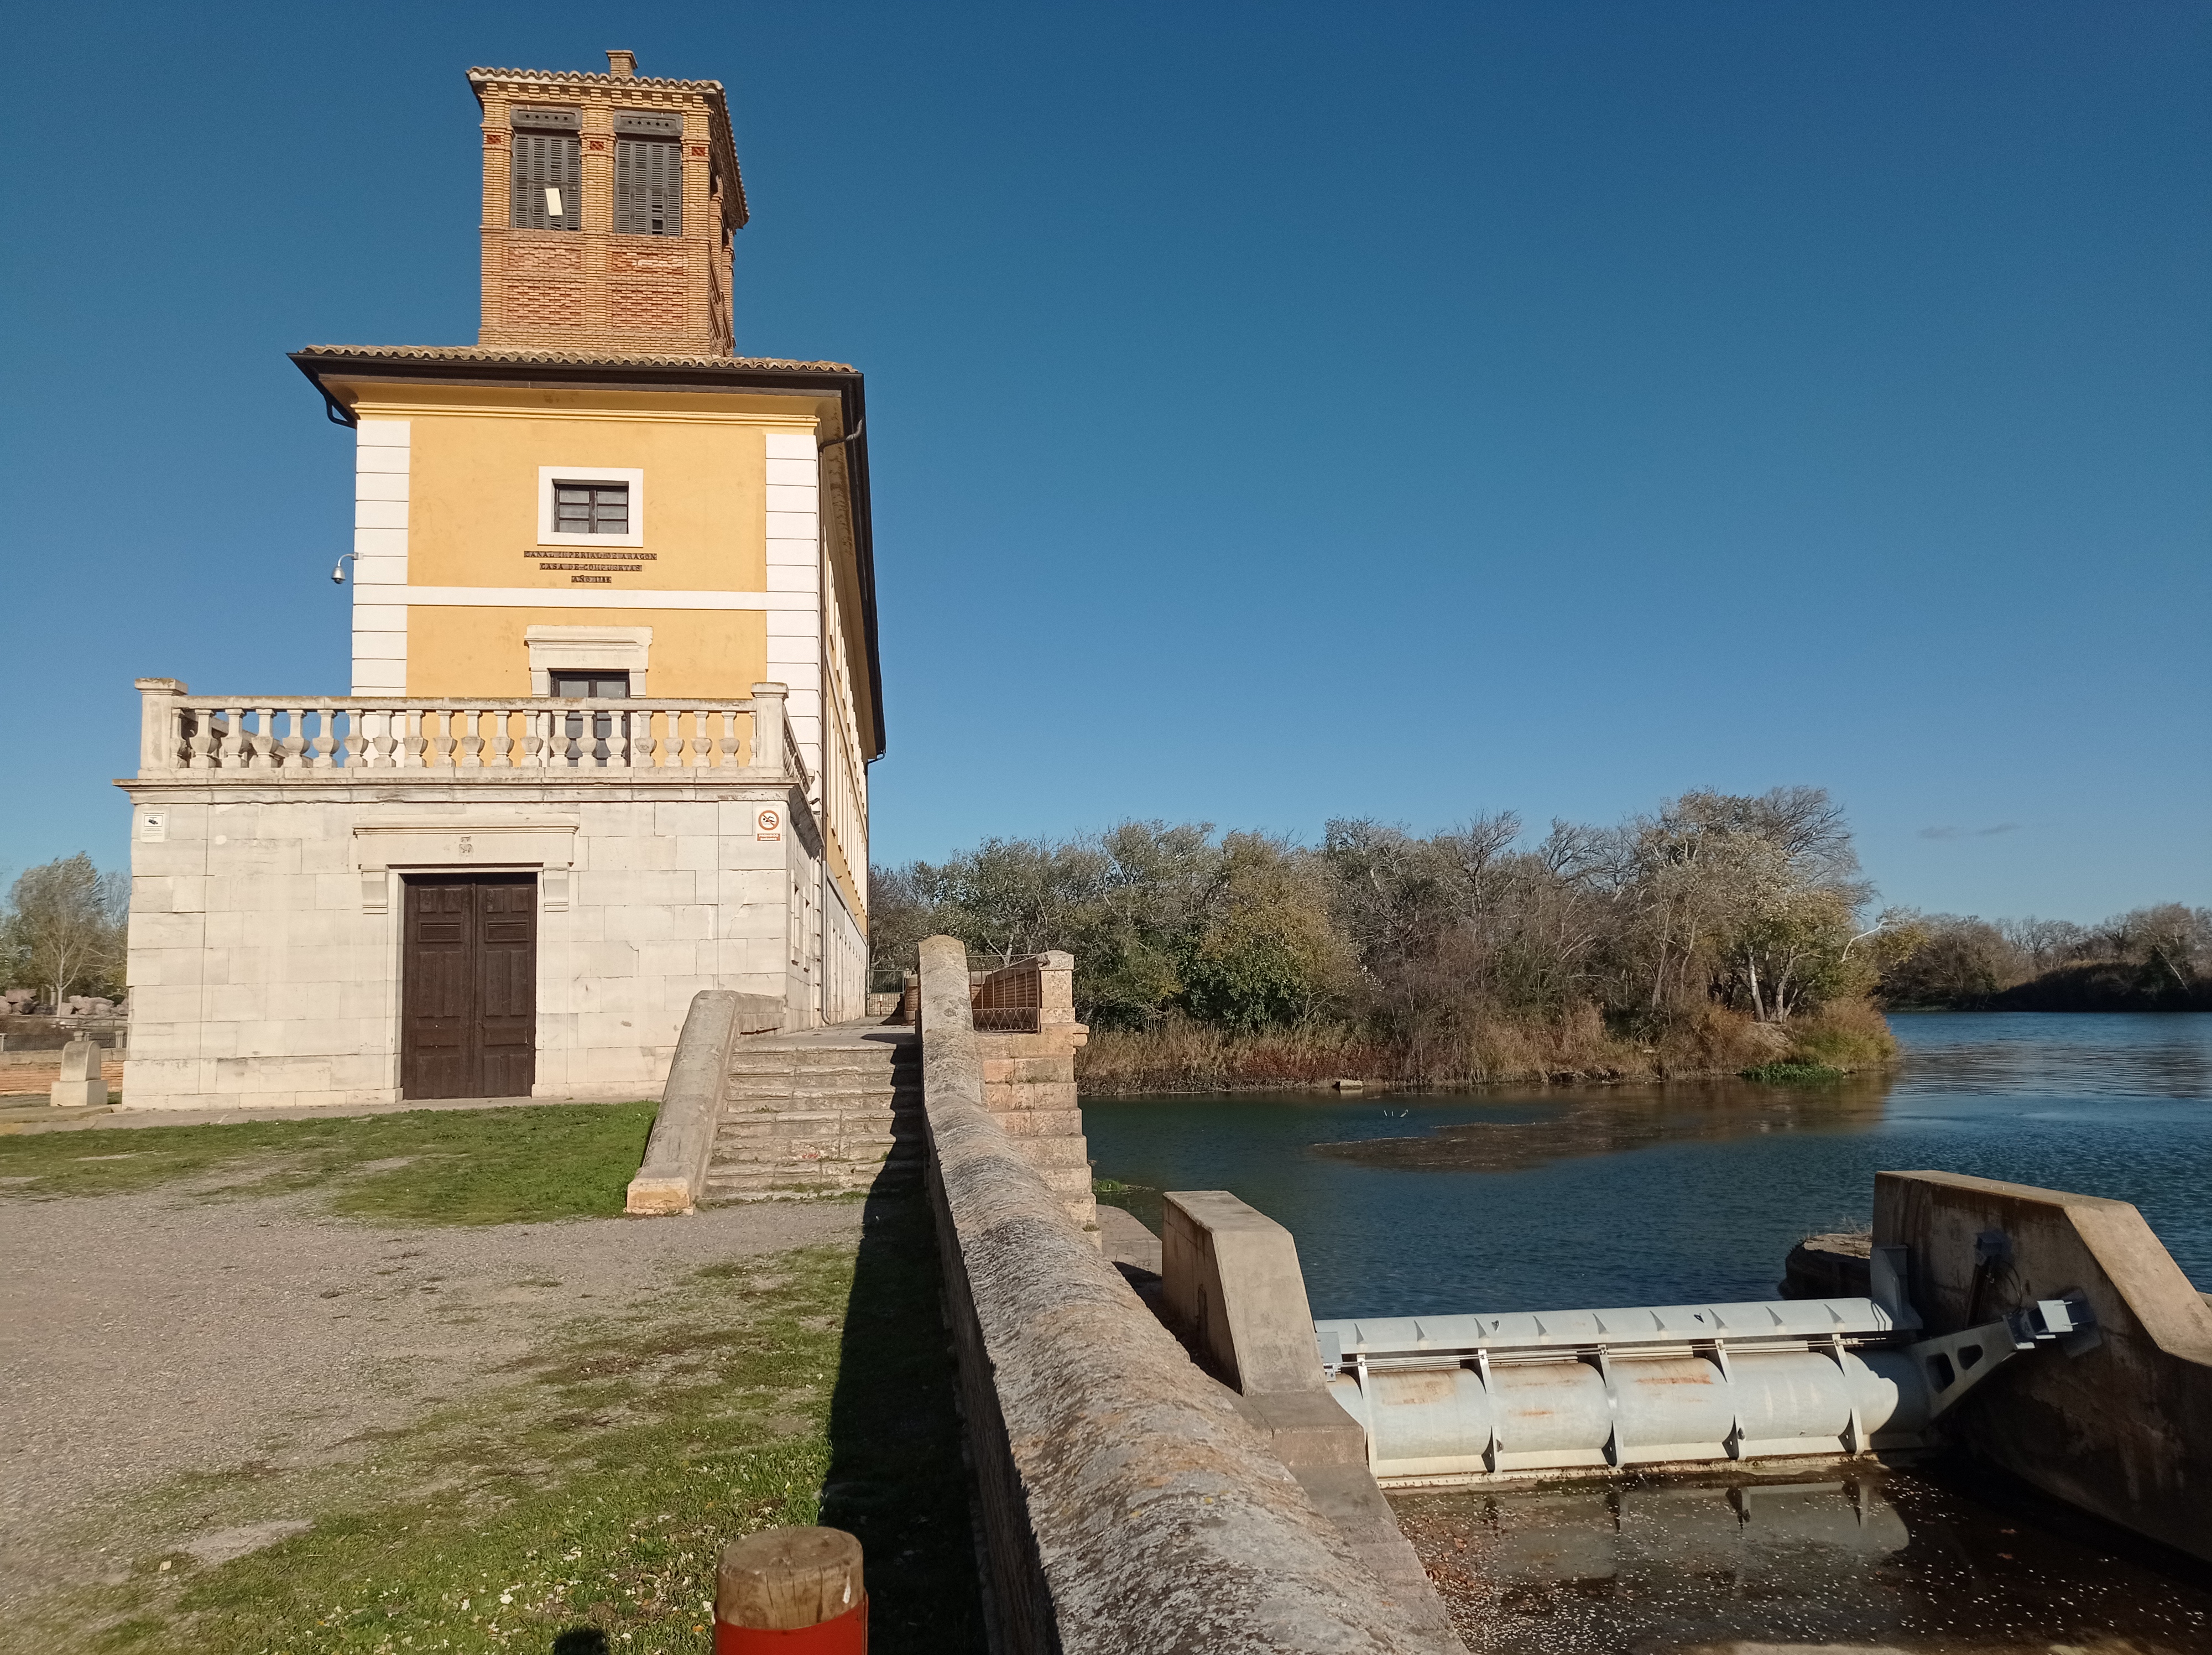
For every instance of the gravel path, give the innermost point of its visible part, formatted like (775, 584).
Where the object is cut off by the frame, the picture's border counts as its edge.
(143, 1336)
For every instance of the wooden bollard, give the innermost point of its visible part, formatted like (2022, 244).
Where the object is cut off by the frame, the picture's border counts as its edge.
(797, 1591)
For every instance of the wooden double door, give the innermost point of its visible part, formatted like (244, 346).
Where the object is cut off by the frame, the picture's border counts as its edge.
(468, 986)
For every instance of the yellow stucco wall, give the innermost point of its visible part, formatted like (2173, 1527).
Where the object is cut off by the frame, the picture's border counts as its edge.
(473, 506)
(473, 513)
(451, 651)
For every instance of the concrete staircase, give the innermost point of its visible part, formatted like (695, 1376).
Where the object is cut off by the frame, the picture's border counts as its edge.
(825, 1111)
(817, 1113)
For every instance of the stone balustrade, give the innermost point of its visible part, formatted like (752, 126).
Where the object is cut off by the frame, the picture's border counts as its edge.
(354, 738)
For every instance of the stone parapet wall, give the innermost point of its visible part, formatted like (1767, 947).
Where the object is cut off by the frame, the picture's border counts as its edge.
(1127, 1502)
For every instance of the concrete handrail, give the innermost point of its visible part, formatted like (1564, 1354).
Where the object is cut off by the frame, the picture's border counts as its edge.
(1126, 1504)
(674, 1169)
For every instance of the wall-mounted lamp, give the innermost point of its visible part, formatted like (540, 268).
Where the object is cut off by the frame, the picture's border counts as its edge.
(338, 569)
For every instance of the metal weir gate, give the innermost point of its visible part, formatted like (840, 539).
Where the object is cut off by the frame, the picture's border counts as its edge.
(1449, 1399)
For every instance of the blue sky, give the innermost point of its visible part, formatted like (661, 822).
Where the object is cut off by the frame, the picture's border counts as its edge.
(1276, 413)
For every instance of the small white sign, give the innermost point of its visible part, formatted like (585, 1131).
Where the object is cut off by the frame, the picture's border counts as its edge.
(769, 824)
(552, 202)
(153, 827)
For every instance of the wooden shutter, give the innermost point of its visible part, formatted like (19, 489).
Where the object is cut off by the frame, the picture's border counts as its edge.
(546, 160)
(648, 187)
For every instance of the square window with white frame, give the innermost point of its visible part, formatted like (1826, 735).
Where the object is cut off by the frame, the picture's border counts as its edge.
(590, 506)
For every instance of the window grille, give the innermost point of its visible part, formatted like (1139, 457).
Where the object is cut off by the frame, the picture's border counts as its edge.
(591, 508)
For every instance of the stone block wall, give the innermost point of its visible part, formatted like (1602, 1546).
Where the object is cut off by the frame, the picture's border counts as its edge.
(265, 928)
(1028, 1077)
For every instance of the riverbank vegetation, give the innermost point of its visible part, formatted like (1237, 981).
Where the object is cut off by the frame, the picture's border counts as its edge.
(2148, 959)
(1717, 934)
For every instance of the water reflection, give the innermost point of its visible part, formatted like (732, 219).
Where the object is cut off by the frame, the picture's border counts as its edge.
(1609, 1120)
(1885, 1558)
(2079, 1055)
(1508, 1199)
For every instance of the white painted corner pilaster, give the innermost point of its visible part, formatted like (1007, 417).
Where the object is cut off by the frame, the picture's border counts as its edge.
(382, 454)
(794, 582)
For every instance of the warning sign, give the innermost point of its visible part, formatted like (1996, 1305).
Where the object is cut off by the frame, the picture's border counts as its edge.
(769, 824)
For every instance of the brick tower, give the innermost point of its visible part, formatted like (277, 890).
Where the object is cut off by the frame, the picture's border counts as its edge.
(608, 205)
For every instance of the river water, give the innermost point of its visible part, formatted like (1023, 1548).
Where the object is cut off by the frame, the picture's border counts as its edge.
(1536, 1198)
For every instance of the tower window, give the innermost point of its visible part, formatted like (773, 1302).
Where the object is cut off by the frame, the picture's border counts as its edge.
(547, 169)
(591, 508)
(648, 186)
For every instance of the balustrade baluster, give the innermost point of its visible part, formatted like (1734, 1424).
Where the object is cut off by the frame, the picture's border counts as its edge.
(380, 741)
(501, 742)
(261, 743)
(645, 743)
(533, 738)
(233, 745)
(327, 739)
(729, 738)
(702, 742)
(180, 753)
(356, 740)
(295, 740)
(438, 725)
(202, 739)
(618, 741)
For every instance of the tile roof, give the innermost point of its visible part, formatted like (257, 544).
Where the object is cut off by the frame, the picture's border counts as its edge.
(470, 353)
(595, 78)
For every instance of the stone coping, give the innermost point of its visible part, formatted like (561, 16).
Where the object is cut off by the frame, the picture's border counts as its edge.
(1127, 1503)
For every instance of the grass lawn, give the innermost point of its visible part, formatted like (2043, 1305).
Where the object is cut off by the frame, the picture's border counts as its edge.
(425, 1167)
(577, 1503)
(579, 1506)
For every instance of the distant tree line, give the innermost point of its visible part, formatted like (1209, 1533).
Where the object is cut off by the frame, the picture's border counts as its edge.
(63, 927)
(1680, 934)
(2156, 958)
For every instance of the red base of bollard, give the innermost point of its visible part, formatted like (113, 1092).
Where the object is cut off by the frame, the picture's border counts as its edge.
(846, 1634)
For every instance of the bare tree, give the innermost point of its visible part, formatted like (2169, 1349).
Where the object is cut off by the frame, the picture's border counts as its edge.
(65, 923)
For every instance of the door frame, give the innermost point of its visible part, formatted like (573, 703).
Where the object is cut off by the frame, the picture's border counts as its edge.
(398, 879)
